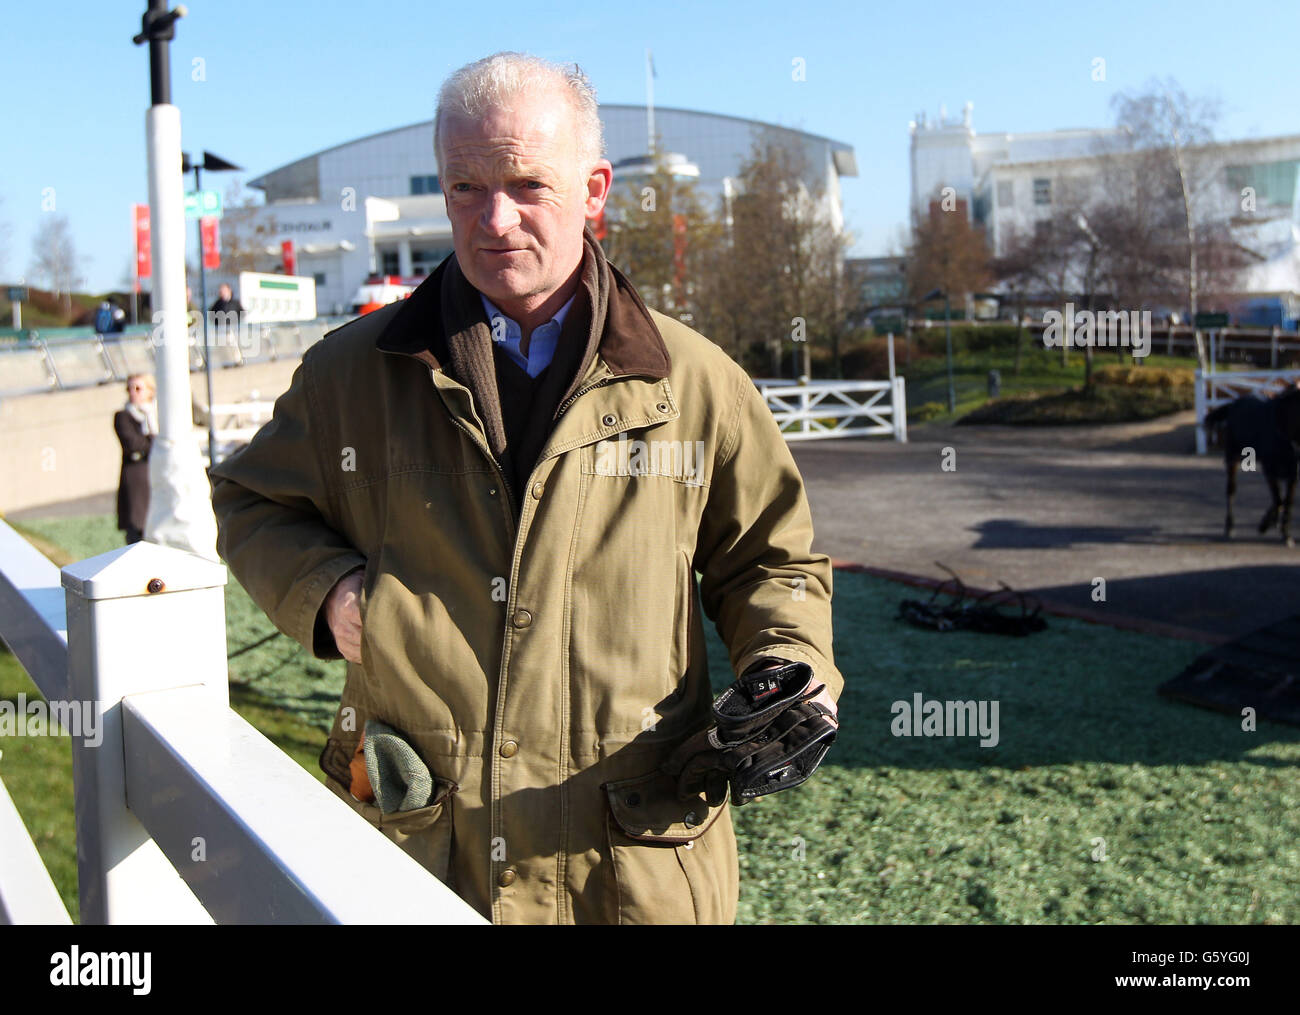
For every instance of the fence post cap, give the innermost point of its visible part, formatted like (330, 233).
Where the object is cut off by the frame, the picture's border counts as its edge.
(142, 569)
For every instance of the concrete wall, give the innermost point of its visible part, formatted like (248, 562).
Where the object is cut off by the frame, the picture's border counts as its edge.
(60, 445)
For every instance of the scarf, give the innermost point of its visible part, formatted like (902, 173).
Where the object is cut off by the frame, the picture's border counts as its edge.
(146, 416)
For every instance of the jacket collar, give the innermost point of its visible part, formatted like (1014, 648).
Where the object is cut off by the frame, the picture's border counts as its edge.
(630, 344)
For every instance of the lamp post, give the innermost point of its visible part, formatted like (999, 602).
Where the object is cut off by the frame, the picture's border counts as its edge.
(947, 334)
(180, 498)
(215, 164)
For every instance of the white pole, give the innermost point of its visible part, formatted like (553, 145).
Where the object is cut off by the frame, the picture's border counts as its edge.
(891, 357)
(180, 501)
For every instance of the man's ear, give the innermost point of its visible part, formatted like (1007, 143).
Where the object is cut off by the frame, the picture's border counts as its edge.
(599, 181)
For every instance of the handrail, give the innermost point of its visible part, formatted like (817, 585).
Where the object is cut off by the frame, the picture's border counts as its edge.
(134, 649)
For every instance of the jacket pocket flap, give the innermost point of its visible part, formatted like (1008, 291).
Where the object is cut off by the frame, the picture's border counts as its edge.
(420, 818)
(647, 808)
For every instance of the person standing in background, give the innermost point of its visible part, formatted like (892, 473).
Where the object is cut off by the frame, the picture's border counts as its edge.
(135, 424)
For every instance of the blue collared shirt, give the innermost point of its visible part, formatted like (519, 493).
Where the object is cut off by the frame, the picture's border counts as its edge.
(541, 344)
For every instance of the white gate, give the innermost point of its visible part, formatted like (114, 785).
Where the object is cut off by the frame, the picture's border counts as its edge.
(1214, 389)
(853, 408)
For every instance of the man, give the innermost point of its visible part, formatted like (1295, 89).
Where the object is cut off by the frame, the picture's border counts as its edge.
(491, 499)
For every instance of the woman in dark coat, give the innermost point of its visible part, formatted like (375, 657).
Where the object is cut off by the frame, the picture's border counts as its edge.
(136, 425)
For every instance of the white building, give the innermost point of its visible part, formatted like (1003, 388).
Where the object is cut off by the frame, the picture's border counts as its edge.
(373, 205)
(1011, 181)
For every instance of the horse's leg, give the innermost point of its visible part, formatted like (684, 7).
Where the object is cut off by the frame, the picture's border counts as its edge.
(1230, 462)
(1270, 516)
(1287, 501)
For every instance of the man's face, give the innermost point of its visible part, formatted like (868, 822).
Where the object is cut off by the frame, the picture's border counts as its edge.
(517, 198)
(225, 292)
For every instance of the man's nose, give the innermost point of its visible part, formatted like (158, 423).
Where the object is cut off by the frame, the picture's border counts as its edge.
(501, 214)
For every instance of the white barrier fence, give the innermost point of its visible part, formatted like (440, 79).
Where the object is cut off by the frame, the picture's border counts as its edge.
(855, 408)
(1214, 389)
(185, 813)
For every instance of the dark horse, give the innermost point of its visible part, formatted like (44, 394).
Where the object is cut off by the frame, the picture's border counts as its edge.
(1271, 427)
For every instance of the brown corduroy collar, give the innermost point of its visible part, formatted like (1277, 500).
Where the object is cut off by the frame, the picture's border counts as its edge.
(630, 344)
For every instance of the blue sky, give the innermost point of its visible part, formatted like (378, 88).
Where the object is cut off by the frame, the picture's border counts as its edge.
(284, 78)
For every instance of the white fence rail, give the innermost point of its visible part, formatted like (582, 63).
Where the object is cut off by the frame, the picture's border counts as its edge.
(1214, 389)
(185, 813)
(854, 408)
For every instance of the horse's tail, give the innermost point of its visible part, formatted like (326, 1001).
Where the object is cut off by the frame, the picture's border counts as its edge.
(1217, 417)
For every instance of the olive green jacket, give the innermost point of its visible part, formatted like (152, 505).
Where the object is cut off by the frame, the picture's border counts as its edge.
(542, 665)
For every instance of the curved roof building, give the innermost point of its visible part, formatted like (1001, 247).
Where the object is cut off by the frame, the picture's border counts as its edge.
(373, 204)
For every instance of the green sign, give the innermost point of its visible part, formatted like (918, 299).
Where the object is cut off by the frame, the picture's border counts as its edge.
(1211, 320)
(17, 294)
(199, 203)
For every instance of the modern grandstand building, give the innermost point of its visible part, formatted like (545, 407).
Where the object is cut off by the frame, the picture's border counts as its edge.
(373, 205)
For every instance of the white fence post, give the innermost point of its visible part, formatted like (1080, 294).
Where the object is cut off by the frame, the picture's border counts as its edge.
(1200, 413)
(120, 645)
(900, 410)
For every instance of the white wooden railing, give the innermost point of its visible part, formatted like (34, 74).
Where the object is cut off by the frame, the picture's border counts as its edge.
(855, 408)
(184, 812)
(1214, 389)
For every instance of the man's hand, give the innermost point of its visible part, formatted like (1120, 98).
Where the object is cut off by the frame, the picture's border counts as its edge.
(343, 615)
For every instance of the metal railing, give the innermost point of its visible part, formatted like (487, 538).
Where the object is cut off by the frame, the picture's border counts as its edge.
(184, 812)
(62, 362)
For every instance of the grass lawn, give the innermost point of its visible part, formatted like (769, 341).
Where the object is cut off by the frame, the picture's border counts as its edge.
(1040, 373)
(1101, 802)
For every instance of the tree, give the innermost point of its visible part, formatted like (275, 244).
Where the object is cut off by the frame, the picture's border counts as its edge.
(55, 258)
(946, 253)
(778, 273)
(243, 246)
(659, 234)
(6, 231)
(1167, 167)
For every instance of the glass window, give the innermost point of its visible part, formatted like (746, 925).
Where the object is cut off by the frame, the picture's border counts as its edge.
(424, 184)
(1042, 191)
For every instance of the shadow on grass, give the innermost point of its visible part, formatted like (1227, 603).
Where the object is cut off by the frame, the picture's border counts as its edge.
(1075, 693)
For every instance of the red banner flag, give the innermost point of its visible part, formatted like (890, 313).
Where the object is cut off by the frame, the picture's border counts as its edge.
(143, 255)
(290, 260)
(211, 237)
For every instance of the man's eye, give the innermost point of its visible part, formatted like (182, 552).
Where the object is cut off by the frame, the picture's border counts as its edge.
(534, 184)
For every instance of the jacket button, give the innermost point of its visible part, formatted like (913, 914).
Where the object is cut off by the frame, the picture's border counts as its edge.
(509, 749)
(690, 821)
(538, 488)
(662, 407)
(492, 492)
(522, 618)
(507, 877)
(610, 419)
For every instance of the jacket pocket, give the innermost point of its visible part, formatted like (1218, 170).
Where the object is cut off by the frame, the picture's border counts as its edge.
(673, 861)
(424, 833)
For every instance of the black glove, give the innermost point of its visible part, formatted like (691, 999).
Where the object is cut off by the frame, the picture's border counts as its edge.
(767, 736)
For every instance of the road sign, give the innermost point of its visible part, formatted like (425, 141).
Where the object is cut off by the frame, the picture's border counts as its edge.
(17, 294)
(200, 203)
(1211, 320)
